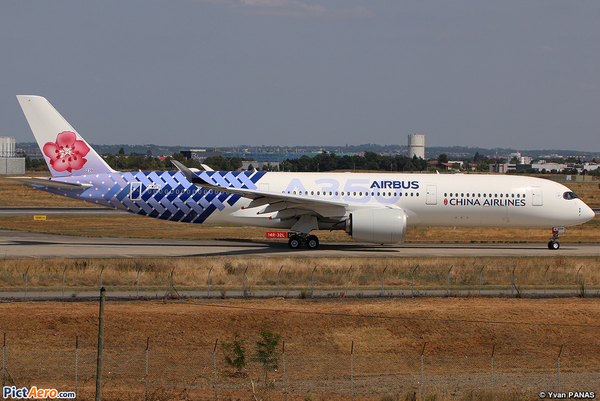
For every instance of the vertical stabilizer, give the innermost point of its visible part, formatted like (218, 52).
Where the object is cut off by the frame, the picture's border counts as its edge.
(65, 151)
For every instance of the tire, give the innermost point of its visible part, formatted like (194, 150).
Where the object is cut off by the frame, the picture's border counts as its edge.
(295, 242)
(312, 242)
(553, 245)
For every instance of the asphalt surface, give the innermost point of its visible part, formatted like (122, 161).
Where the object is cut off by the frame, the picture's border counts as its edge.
(16, 244)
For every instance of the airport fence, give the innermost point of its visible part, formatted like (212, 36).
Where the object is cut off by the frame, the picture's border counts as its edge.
(156, 370)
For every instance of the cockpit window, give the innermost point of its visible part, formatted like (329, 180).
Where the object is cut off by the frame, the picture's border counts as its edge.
(570, 195)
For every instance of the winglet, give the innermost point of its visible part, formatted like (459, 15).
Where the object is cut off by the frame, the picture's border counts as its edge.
(192, 176)
(189, 175)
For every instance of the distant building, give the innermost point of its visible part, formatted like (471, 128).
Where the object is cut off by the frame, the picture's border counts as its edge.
(416, 146)
(9, 162)
(253, 164)
(276, 156)
(199, 154)
(542, 165)
(438, 164)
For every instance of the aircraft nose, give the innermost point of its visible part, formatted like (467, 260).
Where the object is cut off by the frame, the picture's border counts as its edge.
(587, 213)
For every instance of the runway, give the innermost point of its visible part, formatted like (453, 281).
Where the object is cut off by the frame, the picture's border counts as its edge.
(17, 244)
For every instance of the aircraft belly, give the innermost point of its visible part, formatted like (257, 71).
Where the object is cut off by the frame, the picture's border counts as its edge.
(450, 216)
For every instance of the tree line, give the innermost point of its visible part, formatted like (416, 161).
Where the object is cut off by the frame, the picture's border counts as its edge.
(322, 162)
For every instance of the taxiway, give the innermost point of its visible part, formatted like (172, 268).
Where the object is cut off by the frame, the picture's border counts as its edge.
(17, 244)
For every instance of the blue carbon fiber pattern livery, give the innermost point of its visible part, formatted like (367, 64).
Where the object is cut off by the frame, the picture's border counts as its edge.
(166, 195)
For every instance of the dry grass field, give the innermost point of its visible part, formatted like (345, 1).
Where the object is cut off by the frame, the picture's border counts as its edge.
(227, 274)
(388, 337)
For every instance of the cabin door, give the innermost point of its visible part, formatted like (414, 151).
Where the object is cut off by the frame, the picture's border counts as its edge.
(431, 198)
(536, 196)
(135, 191)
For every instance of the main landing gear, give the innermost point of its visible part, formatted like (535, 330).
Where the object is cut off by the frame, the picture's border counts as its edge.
(296, 241)
(553, 244)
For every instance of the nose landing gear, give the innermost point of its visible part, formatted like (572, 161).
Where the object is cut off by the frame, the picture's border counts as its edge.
(553, 244)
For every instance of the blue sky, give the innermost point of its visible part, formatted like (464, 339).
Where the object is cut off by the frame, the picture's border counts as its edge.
(519, 74)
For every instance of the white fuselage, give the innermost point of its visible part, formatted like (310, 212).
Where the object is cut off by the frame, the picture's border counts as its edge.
(441, 200)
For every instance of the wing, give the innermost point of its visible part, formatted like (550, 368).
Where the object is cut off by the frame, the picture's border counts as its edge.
(280, 206)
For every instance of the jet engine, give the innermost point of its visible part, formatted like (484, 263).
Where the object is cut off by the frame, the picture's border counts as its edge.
(381, 226)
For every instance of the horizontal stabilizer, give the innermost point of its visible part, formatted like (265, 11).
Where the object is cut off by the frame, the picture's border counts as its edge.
(47, 182)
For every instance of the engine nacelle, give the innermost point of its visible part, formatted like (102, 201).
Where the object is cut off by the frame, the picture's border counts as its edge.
(381, 226)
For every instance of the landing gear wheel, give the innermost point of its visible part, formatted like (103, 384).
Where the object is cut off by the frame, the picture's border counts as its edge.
(553, 245)
(312, 242)
(295, 242)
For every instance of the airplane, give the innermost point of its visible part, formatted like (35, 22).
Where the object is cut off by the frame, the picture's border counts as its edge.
(370, 207)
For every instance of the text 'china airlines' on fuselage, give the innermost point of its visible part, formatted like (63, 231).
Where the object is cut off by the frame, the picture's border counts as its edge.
(371, 207)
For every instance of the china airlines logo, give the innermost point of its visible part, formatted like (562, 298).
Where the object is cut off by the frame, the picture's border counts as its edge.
(445, 201)
(67, 153)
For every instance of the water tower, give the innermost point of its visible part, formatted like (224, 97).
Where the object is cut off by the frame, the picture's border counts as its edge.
(7, 146)
(416, 146)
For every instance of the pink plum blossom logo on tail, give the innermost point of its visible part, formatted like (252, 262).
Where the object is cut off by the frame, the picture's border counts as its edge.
(67, 153)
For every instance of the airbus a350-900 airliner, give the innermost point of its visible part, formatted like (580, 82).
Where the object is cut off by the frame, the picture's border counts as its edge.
(371, 207)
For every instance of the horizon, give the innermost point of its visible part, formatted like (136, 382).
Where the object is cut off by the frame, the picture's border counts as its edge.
(318, 148)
